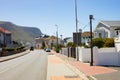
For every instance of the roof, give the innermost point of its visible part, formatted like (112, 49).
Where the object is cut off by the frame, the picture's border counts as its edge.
(111, 23)
(70, 39)
(52, 37)
(4, 30)
(86, 34)
(67, 38)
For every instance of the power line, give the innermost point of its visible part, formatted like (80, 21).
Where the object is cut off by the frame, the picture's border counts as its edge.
(85, 26)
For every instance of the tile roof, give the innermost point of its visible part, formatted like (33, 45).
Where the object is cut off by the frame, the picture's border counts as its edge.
(4, 30)
(111, 23)
(86, 34)
(52, 37)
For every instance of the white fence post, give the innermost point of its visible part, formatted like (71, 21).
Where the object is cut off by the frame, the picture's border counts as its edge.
(95, 55)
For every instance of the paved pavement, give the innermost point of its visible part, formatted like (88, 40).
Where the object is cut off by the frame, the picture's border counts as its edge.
(61, 67)
(92, 72)
(32, 66)
(57, 70)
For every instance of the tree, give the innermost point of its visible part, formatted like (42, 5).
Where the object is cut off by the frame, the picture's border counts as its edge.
(43, 45)
(70, 44)
(58, 47)
(98, 42)
(109, 42)
(103, 42)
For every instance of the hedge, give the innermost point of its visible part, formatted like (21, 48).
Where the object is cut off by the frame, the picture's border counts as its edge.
(13, 49)
(103, 42)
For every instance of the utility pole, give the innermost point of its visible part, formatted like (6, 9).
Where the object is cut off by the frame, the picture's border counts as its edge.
(61, 39)
(91, 17)
(57, 34)
(76, 20)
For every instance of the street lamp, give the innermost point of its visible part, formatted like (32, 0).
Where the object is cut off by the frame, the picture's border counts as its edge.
(91, 17)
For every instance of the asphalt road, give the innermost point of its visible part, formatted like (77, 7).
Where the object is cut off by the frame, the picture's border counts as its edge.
(32, 66)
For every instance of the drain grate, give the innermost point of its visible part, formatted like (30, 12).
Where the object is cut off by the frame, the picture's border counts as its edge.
(71, 76)
(50, 53)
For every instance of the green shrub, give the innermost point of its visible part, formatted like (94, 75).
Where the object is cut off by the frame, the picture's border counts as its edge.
(4, 49)
(70, 44)
(58, 47)
(20, 48)
(103, 42)
(10, 49)
(13, 49)
(98, 42)
(109, 42)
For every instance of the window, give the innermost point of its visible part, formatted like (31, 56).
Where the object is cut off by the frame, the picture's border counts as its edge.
(117, 32)
(100, 35)
(95, 34)
(106, 34)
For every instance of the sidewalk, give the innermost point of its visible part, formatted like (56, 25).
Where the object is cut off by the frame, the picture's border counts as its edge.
(92, 72)
(57, 70)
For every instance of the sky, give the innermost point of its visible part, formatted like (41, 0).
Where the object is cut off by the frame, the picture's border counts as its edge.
(46, 14)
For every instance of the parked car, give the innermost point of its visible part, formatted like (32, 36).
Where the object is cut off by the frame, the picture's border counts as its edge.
(31, 48)
(44, 49)
(48, 50)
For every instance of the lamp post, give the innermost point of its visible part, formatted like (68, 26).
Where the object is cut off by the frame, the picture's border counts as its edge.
(91, 17)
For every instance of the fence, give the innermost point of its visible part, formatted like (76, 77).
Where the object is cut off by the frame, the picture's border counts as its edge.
(70, 52)
(102, 56)
(108, 58)
(84, 54)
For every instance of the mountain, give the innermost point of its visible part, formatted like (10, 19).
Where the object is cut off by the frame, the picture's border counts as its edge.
(21, 33)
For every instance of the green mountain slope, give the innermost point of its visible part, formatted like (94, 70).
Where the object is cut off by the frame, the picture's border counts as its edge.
(21, 33)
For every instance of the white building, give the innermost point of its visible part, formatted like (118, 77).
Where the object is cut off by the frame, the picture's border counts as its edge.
(5, 36)
(67, 40)
(49, 41)
(107, 29)
(85, 37)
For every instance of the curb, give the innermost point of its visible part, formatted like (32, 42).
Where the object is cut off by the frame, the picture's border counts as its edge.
(79, 73)
(74, 69)
(92, 78)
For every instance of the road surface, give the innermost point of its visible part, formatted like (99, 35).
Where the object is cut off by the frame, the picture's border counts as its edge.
(32, 66)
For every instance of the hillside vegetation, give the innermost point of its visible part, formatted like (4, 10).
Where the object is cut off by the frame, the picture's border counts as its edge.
(21, 33)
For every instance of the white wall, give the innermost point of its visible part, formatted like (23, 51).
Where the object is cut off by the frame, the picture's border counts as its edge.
(65, 51)
(107, 50)
(84, 54)
(117, 43)
(107, 59)
(103, 56)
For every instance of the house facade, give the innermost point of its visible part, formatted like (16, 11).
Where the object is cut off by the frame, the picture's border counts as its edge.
(5, 36)
(107, 29)
(67, 40)
(85, 37)
(48, 41)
